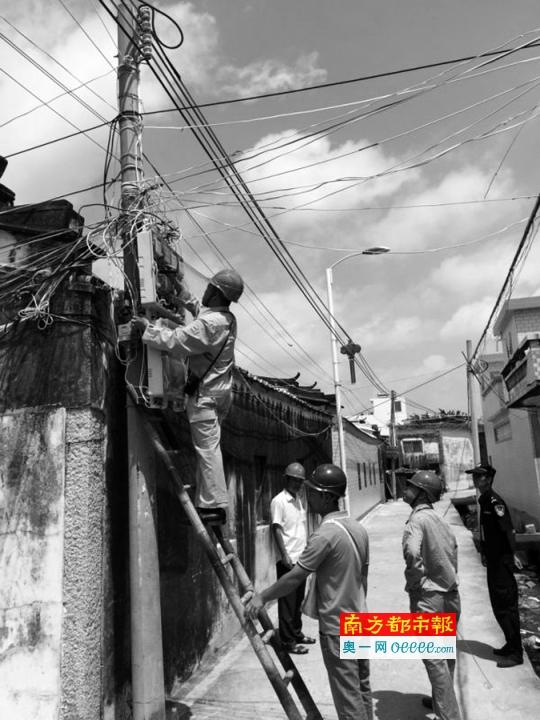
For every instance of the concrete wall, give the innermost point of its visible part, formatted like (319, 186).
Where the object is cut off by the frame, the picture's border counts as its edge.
(364, 473)
(32, 471)
(266, 558)
(512, 449)
(85, 596)
(59, 482)
(65, 653)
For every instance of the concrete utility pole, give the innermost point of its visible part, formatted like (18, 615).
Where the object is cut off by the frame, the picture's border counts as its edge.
(146, 638)
(335, 371)
(337, 385)
(393, 441)
(472, 406)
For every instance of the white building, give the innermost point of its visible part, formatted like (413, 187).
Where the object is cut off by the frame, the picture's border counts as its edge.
(380, 413)
(510, 387)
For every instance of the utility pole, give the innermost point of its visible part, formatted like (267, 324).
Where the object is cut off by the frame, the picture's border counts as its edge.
(337, 384)
(146, 636)
(393, 441)
(472, 406)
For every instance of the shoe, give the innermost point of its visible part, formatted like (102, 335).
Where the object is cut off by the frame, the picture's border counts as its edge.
(510, 661)
(295, 649)
(306, 640)
(427, 702)
(213, 516)
(503, 651)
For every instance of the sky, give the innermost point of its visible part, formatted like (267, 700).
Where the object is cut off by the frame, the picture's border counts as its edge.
(438, 165)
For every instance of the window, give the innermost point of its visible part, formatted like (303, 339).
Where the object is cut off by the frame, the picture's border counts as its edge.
(503, 432)
(397, 405)
(412, 446)
(365, 475)
(359, 473)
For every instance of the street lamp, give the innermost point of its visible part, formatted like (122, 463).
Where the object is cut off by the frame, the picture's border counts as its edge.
(377, 250)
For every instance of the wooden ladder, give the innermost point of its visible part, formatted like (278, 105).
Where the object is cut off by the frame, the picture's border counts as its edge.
(211, 537)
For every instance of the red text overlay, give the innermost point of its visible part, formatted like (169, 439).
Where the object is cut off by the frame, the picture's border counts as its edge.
(397, 624)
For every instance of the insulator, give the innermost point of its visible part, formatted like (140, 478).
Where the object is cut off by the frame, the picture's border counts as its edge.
(147, 48)
(145, 13)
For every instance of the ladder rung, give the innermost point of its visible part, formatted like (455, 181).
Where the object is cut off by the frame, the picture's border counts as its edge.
(219, 558)
(267, 636)
(288, 677)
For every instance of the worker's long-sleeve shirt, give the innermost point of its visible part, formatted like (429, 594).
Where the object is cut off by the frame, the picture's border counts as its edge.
(200, 341)
(430, 552)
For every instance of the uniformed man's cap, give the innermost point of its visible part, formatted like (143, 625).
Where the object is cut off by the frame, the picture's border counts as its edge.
(482, 470)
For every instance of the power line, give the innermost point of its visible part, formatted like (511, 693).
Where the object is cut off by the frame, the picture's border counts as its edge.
(388, 208)
(107, 60)
(207, 138)
(508, 278)
(163, 69)
(362, 78)
(63, 195)
(64, 137)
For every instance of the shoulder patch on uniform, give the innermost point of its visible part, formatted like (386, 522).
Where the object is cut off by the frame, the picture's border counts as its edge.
(499, 509)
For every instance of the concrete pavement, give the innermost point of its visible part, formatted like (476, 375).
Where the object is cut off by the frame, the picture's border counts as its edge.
(237, 687)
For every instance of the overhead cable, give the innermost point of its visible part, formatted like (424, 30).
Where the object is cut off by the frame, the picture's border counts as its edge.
(166, 73)
(527, 231)
(362, 78)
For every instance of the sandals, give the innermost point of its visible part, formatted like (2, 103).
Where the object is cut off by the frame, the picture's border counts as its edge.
(296, 649)
(305, 640)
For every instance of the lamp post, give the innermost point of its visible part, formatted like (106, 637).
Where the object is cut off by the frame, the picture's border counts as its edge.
(378, 250)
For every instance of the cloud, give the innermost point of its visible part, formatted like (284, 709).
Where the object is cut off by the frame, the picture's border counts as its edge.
(484, 270)
(409, 312)
(201, 61)
(441, 224)
(433, 363)
(287, 173)
(270, 76)
(204, 65)
(468, 321)
(386, 333)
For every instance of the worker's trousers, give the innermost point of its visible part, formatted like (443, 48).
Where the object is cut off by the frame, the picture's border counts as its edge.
(349, 682)
(205, 415)
(289, 610)
(503, 594)
(440, 672)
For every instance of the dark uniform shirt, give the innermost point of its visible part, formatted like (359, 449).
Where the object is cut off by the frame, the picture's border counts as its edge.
(496, 525)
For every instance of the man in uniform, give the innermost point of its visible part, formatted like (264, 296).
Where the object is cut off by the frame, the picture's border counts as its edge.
(208, 343)
(430, 553)
(498, 547)
(337, 552)
(289, 530)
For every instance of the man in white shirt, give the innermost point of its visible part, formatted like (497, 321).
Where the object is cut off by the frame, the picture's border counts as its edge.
(289, 532)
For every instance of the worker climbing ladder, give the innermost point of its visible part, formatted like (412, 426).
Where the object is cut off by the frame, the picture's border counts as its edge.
(212, 538)
(134, 45)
